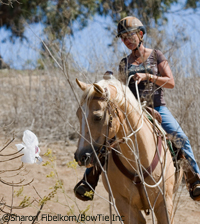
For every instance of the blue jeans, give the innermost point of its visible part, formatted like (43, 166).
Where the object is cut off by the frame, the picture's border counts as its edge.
(171, 126)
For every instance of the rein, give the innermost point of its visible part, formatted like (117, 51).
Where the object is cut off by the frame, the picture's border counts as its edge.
(146, 172)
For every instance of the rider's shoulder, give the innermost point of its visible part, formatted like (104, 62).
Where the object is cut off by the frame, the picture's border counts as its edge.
(148, 50)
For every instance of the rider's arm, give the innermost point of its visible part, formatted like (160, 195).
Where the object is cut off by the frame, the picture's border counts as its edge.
(166, 79)
(164, 76)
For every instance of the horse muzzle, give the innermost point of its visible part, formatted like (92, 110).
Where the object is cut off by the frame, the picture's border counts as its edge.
(86, 159)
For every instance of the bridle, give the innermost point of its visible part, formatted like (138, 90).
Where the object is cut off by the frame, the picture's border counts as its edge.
(108, 143)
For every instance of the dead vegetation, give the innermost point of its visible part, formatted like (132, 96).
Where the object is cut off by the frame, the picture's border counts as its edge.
(44, 102)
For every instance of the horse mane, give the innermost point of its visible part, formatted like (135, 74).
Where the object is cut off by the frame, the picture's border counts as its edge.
(124, 94)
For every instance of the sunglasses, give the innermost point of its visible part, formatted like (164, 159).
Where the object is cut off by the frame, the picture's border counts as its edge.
(127, 35)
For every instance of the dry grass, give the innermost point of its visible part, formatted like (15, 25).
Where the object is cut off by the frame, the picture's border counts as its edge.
(183, 101)
(43, 101)
(37, 100)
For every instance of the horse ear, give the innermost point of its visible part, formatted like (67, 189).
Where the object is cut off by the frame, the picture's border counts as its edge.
(82, 85)
(98, 89)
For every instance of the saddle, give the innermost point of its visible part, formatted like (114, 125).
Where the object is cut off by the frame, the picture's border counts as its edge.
(154, 113)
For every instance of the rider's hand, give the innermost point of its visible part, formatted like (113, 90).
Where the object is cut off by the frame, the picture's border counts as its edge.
(140, 77)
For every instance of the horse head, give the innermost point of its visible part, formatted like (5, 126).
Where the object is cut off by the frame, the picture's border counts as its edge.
(98, 120)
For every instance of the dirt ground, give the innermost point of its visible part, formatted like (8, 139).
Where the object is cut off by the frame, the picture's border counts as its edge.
(64, 204)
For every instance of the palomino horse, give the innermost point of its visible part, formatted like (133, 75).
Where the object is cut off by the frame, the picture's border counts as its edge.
(110, 116)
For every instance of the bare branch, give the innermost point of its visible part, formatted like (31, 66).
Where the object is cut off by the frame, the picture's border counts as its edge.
(7, 144)
(38, 213)
(16, 184)
(11, 158)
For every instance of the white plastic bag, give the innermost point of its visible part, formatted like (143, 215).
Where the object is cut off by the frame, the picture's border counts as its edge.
(29, 148)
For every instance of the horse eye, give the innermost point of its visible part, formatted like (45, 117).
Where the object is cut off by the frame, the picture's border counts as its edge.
(97, 118)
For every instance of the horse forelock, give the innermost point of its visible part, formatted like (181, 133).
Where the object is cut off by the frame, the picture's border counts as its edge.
(123, 93)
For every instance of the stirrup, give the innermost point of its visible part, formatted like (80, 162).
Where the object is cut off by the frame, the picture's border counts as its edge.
(83, 192)
(195, 191)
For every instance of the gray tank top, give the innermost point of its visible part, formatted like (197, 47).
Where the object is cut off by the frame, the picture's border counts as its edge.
(148, 91)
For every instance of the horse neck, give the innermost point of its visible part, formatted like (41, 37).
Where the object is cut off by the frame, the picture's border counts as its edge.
(131, 119)
(143, 138)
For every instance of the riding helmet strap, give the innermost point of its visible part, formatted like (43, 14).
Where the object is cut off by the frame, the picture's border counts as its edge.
(141, 40)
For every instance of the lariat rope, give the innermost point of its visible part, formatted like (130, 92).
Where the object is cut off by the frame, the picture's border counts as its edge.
(128, 138)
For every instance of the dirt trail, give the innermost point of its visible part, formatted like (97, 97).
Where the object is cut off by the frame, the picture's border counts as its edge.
(64, 203)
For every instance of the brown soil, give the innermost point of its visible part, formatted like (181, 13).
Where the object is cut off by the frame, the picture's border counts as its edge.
(64, 202)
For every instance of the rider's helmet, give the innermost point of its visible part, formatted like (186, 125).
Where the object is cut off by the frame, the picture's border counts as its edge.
(128, 24)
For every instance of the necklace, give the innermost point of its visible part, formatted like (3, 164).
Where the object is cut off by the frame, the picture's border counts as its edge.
(141, 56)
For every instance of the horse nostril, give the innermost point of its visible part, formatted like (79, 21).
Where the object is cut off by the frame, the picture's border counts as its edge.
(83, 159)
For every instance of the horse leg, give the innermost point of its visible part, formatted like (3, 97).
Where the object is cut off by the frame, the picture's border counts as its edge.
(163, 212)
(128, 213)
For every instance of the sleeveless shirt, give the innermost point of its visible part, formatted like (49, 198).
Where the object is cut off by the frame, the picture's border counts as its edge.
(148, 91)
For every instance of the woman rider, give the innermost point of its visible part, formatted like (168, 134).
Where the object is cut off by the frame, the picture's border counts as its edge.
(152, 72)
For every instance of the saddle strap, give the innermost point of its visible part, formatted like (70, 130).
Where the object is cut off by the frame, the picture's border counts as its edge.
(134, 176)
